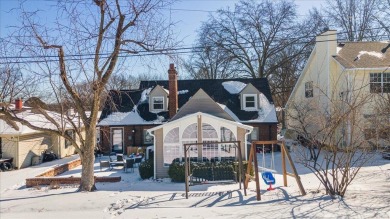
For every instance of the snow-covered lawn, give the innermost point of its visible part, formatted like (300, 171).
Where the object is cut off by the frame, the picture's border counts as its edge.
(368, 197)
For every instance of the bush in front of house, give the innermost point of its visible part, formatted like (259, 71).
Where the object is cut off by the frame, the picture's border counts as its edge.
(205, 170)
(176, 172)
(146, 169)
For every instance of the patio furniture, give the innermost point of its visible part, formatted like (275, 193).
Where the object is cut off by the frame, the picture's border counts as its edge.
(138, 160)
(104, 164)
(129, 163)
(117, 164)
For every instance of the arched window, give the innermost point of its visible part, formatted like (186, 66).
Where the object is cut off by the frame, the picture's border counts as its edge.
(227, 134)
(228, 149)
(172, 149)
(190, 135)
(209, 132)
(210, 150)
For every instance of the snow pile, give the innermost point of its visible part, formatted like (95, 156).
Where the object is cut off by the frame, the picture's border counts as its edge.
(182, 92)
(233, 87)
(371, 53)
(145, 95)
(267, 112)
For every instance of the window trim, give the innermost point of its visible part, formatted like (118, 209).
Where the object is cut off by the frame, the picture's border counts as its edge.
(381, 82)
(163, 103)
(309, 91)
(68, 143)
(112, 140)
(244, 102)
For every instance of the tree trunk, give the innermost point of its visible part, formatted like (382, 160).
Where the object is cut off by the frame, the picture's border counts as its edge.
(87, 161)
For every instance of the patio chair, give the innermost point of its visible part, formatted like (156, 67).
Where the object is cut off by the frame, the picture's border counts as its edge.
(129, 163)
(138, 160)
(104, 164)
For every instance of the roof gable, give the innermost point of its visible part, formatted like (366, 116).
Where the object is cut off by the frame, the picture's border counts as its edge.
(128, 100)
(159, 90)
(201, 102)
(249, 88)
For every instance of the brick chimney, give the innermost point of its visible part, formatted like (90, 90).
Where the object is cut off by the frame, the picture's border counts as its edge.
(173, 100)
(18, 104)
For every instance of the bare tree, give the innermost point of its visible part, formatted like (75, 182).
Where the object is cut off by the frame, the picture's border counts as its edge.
(330, 131)
(87, 41)
(359, 20)
(209, 61)
(384, 20)
(254, 33)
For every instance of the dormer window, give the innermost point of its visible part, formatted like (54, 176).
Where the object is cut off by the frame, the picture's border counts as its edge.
(158, 103)
(250, 102)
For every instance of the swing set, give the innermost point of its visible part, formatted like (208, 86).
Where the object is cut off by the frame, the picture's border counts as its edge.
(267, 174)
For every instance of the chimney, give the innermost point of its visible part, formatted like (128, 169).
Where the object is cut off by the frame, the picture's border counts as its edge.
(173, 100)
(327, 42)
(18, 104)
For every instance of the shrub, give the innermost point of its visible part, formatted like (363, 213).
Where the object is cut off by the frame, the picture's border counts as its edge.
(176, 172)
(146, 169)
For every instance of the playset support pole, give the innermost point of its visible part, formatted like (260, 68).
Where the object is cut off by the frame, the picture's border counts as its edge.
(285, 153)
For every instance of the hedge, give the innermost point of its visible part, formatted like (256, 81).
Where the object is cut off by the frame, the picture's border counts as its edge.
(208, 171)
(146, 169)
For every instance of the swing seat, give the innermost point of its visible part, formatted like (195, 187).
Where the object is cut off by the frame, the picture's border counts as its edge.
(268, 178)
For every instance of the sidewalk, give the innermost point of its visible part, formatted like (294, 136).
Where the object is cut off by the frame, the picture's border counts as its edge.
(17, 178)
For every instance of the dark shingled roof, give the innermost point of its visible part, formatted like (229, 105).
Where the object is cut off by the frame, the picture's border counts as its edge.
(125, 100)
(357, 54)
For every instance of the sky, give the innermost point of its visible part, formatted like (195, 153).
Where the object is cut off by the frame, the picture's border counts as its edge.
(188, 16)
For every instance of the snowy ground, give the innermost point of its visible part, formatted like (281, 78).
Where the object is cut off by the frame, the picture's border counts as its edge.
(368, 197)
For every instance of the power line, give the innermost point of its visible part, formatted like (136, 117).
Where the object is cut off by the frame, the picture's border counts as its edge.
(171, 51)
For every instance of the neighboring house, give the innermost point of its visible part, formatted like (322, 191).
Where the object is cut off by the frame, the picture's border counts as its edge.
(336, 74)
(26, 145)
(168, 114)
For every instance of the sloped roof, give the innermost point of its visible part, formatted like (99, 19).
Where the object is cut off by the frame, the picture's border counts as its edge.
(35, 119)
(202, 101)
(363, 54)
(127, 101)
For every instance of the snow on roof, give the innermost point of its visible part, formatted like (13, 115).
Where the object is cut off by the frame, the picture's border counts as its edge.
(338, 49)
(36, 120)
(233, 87)
(145, 94)
(228, 111)
(267, 112)
(166, 90)
(371, 53)
(182, 92)
(127, 118)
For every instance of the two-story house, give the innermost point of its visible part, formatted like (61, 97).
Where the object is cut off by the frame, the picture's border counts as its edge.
(344, 77)
(169, 113)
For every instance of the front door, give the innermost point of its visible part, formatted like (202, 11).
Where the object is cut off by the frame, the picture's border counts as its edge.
(117, 140)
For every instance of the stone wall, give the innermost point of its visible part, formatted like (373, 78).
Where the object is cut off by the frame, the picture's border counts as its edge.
(48, 177)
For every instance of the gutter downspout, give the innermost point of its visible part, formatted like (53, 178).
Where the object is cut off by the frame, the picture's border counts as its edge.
(245, 144)
(154, 153)
(17, 152)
